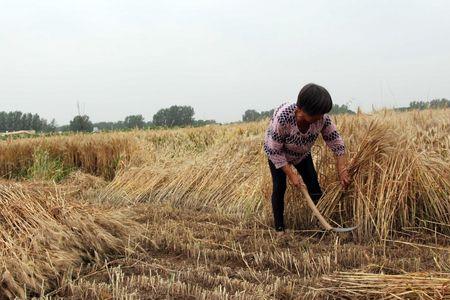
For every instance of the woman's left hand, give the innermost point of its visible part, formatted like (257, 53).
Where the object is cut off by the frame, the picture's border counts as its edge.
(341, 166)
(344, 177)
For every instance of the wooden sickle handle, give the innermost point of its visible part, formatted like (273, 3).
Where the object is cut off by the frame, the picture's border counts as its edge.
(314, 209)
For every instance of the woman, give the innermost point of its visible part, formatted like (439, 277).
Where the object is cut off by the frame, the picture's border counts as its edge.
(292, 131)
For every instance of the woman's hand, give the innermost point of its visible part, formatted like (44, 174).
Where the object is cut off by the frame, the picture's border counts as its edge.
(344, 178)
(341, 166)
(294, 178)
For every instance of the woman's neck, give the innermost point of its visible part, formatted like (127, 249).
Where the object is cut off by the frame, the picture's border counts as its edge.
(303, 126)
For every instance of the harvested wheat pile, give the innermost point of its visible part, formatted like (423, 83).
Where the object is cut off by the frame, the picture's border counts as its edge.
(84, 181)
(395, 185)
(225, 178)
(46, 233)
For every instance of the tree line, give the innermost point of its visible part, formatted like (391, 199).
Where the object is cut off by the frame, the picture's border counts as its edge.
(16, 120)
(433, 104)
(173, 116)
(167, 117)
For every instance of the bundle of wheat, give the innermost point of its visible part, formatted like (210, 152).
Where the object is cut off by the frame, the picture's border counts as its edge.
(394, 185)
(83, 181)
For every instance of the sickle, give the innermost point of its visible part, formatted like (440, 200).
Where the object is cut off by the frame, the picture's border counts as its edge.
(319, 216)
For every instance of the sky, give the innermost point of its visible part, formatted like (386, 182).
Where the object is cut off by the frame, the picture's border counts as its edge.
(118, 58)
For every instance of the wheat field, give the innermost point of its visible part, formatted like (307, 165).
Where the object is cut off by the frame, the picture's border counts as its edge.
(185, 214)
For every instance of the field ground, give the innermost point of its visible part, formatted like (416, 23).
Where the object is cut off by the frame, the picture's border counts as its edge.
(205, 256)
(185, 214)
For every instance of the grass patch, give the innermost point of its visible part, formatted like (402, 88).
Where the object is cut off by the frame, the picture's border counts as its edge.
(45, 167)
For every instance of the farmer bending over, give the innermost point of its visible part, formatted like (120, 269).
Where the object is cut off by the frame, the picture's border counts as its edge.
(292, 131)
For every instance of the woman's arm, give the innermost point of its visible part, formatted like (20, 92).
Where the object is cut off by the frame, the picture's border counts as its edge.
(274, 143)
(335, 142)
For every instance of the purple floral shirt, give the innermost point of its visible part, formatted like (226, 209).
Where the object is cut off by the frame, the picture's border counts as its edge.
(284, 143)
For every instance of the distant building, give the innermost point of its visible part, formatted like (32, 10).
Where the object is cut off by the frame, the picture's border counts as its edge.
(20, 132)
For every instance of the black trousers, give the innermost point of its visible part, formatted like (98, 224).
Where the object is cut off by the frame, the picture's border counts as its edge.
(309, 175)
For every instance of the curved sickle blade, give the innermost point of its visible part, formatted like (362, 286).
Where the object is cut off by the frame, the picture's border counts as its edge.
(340, 229)
(319, 216)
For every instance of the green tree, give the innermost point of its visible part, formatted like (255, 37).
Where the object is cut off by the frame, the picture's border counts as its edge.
(3, 120)
(204, 122)
(16, 120)
(439, 103)
(81, 123)
(51, 127)
(36, 123)
(174, 116)
(134, 121)
(419, 105)
(340, 109)
(27, 120)
(266, 114)
(251, 115)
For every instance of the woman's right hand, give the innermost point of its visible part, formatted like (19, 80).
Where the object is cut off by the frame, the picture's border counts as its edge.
(296, 180)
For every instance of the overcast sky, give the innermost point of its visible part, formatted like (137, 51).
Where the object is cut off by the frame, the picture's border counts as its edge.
(222, 57)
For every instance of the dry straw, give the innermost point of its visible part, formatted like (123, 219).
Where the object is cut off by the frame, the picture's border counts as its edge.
(397, 180)
(381, 286)
(44, 233)
(399, 166)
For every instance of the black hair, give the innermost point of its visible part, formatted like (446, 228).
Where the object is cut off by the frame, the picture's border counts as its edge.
(314, 100)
